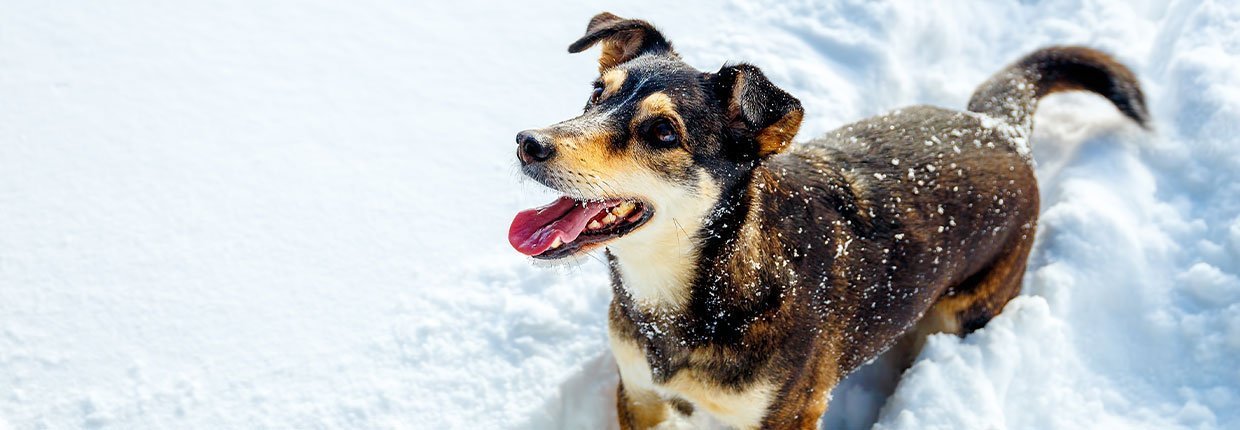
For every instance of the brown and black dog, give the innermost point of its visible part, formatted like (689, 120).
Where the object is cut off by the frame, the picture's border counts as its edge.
(751, 274)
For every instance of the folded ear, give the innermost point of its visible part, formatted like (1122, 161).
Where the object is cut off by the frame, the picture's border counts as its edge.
(757, 110)
(623, 39)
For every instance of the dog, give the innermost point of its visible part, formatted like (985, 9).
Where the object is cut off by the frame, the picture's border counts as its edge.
(751, 274)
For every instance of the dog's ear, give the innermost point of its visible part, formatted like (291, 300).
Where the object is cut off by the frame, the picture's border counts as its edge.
(623, 39)
(757, 111)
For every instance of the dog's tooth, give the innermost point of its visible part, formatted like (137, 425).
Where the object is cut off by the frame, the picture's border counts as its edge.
(609, 219)
(556, 244)
(594, 225)
(623, 209)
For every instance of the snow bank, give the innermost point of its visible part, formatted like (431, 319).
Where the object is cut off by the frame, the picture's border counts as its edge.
(292, 214)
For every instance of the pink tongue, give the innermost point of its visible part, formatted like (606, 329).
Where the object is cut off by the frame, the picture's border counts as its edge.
(534, 230)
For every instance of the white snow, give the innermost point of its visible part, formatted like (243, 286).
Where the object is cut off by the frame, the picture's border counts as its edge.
(238, 214)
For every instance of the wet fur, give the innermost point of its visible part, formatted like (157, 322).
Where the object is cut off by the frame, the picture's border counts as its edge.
(796, 263)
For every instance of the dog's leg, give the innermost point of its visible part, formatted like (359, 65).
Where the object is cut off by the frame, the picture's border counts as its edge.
(638, 405)
(939, 319)
(799, 415)
(640, 409)
(804, 402)
(972, 304)
(808, 419)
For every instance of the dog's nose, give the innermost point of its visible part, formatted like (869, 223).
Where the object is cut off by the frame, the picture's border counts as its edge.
(533, 147)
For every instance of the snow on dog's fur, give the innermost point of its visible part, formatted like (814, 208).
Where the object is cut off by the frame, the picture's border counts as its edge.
(750, 274)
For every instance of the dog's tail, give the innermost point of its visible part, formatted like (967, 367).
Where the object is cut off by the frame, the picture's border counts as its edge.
(1012, 94)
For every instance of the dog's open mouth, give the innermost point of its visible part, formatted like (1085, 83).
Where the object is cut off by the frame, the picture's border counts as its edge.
(568, 226)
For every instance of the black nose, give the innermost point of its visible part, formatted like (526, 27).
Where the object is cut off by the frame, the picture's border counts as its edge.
(533, 147)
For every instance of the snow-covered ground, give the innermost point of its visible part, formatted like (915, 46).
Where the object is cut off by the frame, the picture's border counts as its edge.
(292, 214)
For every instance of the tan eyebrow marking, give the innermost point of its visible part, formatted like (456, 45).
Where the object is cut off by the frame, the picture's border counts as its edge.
(657, 104)
(612, 81)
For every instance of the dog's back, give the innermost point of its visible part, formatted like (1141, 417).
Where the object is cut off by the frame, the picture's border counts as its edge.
(928, 210)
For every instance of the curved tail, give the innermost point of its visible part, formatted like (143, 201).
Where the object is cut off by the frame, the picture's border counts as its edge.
(1013, 93)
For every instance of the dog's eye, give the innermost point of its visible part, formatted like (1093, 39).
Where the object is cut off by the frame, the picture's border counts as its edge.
(598, 93)
(662, 132)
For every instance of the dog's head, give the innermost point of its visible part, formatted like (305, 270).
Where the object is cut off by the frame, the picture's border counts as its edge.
(657, 143)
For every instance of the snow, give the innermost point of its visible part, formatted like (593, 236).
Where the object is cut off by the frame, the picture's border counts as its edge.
(233, 214)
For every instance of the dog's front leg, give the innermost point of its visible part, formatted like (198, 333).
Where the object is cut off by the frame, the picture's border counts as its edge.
(640, 409)
(638, 405)
(804, 400)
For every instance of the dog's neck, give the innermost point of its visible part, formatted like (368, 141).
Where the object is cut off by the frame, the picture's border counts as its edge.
(656, 277)
(657, 266)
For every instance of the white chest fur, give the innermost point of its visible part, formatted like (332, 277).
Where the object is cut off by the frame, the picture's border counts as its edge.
(658, 261)
(741, 409)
